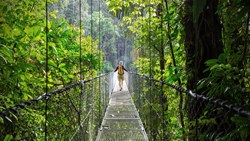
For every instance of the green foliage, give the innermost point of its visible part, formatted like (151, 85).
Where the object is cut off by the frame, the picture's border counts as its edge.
(22, 59)
(241, 132)
(153, 27)
(148, 24)
(21, 40)
(227, 75)
(142, 65)
(8, 138)
(104, 30)
(107, 67)
(224, 81)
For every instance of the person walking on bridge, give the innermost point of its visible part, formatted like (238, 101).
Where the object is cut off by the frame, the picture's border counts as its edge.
(121, 70)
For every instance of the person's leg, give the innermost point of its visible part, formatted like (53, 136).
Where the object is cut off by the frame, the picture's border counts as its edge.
(120, 81)
(122, 78)
(120, 84)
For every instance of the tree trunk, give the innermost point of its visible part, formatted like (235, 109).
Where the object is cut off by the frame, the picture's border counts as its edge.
(208, 38)
(202, 42)
(163, 98)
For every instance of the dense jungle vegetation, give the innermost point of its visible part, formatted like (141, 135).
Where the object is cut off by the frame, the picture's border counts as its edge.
(201, 45)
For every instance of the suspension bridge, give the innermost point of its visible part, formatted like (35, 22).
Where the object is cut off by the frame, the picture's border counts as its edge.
(146, 109)
(95, 109)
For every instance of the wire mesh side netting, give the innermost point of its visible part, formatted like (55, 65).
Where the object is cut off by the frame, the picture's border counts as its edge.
(75, 112)
(200, 118)
(148, 103)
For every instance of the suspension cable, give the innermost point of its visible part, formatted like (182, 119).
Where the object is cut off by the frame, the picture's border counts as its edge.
(46, 73)
(91, 67)
(99, 54)
(91, 35)
(149, 45)
(80, 61)
(150, 62)
(162, 61)
(80, 38)
(124, 48)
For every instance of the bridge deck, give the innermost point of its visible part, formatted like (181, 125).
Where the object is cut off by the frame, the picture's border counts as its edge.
(121, 121)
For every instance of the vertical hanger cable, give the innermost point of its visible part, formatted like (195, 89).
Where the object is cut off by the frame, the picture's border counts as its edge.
(46, 72)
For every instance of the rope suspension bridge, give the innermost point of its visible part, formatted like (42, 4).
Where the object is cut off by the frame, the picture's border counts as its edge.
(95, 109)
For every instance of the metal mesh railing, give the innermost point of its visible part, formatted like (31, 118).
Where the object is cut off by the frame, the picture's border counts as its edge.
(202, 118)
(74, 112)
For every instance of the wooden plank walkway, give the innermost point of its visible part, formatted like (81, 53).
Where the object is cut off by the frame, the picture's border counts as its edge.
(121, 121)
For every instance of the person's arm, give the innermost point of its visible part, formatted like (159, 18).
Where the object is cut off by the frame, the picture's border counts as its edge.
(124, 68)
(116, 69)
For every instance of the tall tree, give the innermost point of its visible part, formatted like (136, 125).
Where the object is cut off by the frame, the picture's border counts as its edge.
(212, 57)
(203, 41)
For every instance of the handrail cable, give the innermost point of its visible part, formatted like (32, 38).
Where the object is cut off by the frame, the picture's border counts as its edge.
(221, 103)
(45, 96)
